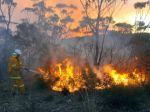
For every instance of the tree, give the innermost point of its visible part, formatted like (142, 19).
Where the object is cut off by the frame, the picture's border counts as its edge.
(141, 7)
(9, 6)
(123, 27)
(33, 43)
(43, 35)
(56, 20)
(140, 43)
(102, 12)
(29, 14)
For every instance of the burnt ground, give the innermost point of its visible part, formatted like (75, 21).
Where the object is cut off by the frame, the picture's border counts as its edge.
(40, 99)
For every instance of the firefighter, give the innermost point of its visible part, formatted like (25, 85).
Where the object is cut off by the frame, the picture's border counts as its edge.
(14, 66)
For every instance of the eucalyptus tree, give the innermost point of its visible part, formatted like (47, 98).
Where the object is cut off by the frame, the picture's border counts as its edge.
(100, 12)
(51, 23)
(124, 28)
(142, 22)
(7, 8)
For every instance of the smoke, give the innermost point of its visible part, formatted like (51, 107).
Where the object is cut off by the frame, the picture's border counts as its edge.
(6, 47)
(115, 46)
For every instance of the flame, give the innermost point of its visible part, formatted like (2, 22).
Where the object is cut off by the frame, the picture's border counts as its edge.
(67, 75)
(126, 79)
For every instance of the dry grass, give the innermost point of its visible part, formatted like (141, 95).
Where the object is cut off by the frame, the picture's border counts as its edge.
(37, 99)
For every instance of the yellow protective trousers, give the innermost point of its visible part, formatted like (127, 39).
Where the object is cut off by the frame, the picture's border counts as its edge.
(17, 85)
(15, 67)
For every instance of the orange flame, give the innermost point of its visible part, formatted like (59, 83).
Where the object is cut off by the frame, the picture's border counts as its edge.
(67, 75)
(125, 79)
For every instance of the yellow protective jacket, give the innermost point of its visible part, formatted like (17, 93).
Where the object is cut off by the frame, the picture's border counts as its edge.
(14, 67)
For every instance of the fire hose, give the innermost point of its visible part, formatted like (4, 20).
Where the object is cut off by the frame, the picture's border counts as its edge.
(32, 71)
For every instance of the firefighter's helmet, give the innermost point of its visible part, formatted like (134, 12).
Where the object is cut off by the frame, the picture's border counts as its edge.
(17, 51)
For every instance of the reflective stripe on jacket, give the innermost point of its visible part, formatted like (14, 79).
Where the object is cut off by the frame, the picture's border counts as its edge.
(15, 77)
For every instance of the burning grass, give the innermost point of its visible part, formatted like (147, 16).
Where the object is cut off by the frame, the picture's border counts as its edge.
(73, 77)
(133, 78)
(64, 75)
